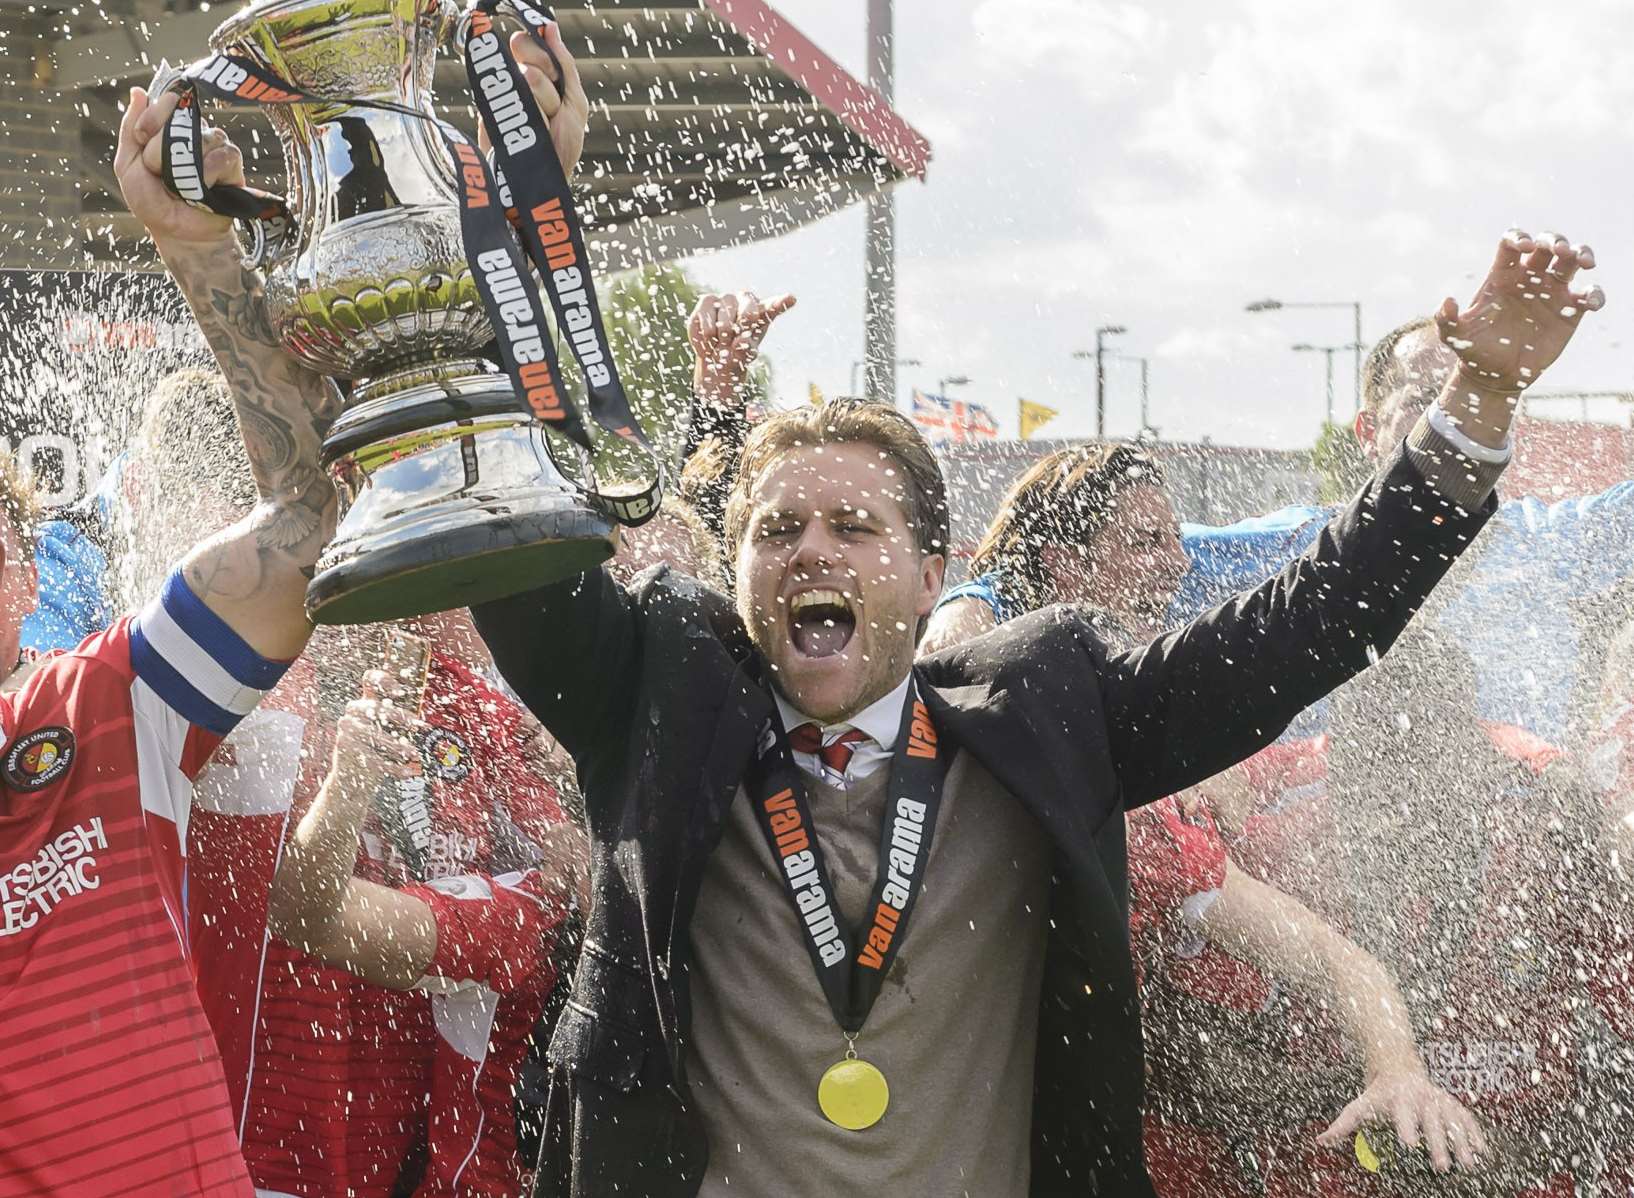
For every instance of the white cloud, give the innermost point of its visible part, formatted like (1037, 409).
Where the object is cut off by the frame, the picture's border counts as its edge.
(1092, 42)
(1160, 164)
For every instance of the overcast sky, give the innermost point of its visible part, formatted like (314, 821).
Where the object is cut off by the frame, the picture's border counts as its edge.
(1159, 165)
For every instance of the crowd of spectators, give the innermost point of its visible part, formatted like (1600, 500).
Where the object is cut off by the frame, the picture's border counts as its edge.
(1248, 861)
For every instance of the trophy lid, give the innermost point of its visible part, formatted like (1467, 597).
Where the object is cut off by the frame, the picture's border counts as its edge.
(342, 48)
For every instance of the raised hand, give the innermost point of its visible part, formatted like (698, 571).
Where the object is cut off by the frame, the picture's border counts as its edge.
(375, 737)
(138, 164)
(726, 332)
(560, 94)
(1524, 314)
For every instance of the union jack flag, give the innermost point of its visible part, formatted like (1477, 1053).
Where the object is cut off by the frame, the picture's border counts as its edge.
(942, 419)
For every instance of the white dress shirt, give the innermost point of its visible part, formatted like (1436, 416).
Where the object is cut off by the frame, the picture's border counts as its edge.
(881, 720)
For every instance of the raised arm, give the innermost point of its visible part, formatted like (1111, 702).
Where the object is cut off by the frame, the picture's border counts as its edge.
(382, 935)
(571, 652)
(254, 574)
(442, 935)
(1203, 698)
(726, 332)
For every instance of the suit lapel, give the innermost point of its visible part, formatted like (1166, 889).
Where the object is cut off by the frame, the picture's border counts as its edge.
(1053, 772)
(745, 709)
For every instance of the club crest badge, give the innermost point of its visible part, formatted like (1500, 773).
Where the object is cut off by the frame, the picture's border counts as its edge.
(446, 754)
(39, 758)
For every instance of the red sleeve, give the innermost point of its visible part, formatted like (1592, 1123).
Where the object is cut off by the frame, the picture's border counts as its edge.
(240, 814)
(1174, 854)
(491, 932)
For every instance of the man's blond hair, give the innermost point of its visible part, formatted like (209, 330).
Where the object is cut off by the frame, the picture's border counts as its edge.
(846, 422)
(20, 501)
(190, 477)
(189, 438)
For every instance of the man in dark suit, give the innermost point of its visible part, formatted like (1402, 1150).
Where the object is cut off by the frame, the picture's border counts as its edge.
(858, 925)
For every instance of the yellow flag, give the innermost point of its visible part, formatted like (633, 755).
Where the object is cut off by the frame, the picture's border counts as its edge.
(816, 395)
(1034, 416)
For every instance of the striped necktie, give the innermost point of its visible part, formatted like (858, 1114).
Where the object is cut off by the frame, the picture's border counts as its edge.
(835, 755)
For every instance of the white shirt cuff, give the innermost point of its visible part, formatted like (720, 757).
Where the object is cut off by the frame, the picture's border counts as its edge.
(1442, 423)
(1195, 906)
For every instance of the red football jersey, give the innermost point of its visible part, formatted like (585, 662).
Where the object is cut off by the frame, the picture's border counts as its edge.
(340, 1085)
(1176, 869)
(488, 984)
(109, 1079)
(1505, 1039)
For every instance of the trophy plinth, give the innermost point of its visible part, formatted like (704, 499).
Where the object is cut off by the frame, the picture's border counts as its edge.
(448, 491)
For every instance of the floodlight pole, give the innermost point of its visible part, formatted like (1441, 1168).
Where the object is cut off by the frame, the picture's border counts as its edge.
(1328, 351)
(1356, 345)
(856, 366)
(1098, 356)
(879, 315)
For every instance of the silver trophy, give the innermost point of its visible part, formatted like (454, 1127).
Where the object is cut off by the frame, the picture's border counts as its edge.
(449, 491)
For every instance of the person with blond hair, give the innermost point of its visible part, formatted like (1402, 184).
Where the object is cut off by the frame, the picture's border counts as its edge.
(851, 920)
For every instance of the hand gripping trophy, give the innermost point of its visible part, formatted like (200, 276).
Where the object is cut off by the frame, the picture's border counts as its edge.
(391, 267)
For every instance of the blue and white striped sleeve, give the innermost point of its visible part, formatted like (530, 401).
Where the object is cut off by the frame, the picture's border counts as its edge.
(195, 663)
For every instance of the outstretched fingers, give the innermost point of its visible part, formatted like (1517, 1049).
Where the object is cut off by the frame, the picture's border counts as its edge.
(1543, 252)
(1515, 245)
(1591, 300)
(1579, 301)
(1446, 322)
(733, 324)
(1463, 1138)
(1406, 1120)
(1565, 263)
(1434, 1131)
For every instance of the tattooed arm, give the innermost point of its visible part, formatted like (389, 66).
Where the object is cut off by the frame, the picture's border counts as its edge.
(254, 574)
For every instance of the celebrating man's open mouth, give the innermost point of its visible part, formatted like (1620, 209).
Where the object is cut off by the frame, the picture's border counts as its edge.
(821, 622)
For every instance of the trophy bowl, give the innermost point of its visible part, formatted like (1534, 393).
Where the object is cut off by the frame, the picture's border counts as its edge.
(448, 490)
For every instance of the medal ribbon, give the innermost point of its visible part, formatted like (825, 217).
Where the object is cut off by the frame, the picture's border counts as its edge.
(539, 200)
(552, 235)
(851, 965)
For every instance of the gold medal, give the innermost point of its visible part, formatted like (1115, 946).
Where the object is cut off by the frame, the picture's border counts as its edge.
(853, 1094)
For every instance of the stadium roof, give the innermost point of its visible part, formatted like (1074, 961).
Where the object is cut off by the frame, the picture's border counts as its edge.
(714, 122)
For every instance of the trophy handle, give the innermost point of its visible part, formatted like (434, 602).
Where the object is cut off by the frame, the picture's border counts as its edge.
(268, 250)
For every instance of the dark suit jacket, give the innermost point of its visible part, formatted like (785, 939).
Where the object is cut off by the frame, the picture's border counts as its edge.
(648, 689)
